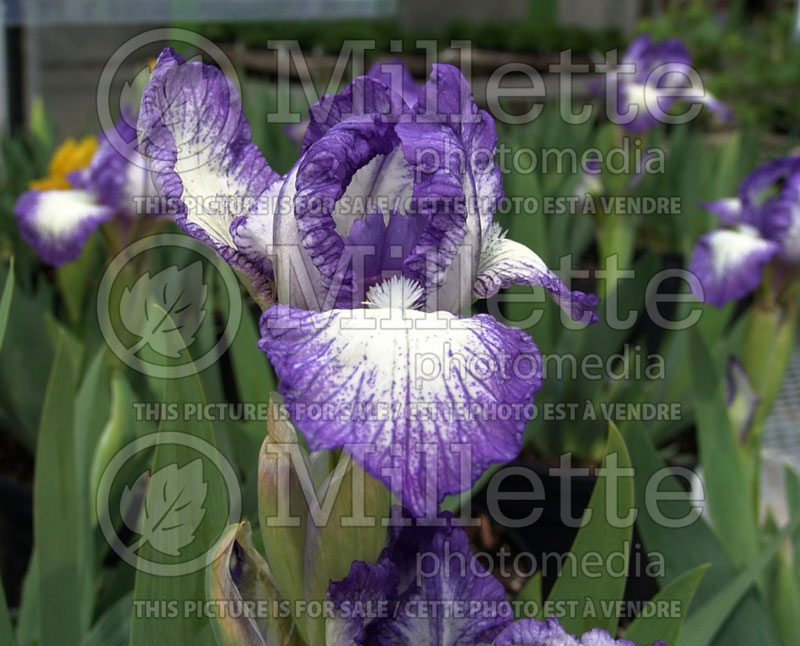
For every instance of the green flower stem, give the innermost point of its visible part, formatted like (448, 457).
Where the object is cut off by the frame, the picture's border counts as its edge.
(768, 345)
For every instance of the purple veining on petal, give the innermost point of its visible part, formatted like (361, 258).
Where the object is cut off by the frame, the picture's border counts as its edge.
(366, 100)
(396, 76)
(195, 137)
(450, 143)
(367, 358)
(378, 249)
(57, 223)
(421, 566)
(358, 127)
(459, 578)
(532, 632)
(729, 263)
(536, 633)
(357, 600)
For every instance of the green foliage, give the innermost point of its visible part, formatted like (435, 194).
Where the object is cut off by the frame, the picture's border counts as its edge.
(753, 62)
(529, 37)
(648, 630)
(606, 530)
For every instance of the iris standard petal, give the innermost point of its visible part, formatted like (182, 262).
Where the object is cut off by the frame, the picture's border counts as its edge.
(57, 223)
(450, 143)
(505, 263)
(348, 163)
(729, 263)
(366, 99)
(196, 140)
(432, 398)
(396, 75)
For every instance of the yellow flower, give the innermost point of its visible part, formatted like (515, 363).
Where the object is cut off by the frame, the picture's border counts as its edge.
(70, 156)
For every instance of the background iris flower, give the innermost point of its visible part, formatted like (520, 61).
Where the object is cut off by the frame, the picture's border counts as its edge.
(89, 184)
(654, 82)
(762, 228)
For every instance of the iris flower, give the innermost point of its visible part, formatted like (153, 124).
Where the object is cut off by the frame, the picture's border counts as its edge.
(434, 591)
(367, 256)
(762, 227)
(89, 184)
(659, 73)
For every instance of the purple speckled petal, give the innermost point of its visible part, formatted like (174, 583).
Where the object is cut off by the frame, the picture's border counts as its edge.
(505, 263)
(729, 263)
(396, 75)
(366, 101)
(530, 632)
(426, 392)
(392, 74)
(357, 600)
(450, 143)
(196, 140)
(58, 223)
(729, 210)
(443, 575)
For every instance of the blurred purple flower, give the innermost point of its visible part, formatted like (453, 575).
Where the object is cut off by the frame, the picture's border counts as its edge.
(658, 74)
(57, 222)
(763, 225)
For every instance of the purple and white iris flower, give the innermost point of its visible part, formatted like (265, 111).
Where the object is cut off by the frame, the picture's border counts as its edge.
(58, 222)
(428, 588)
(762, 228)
(660, 76)
(367, 256)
